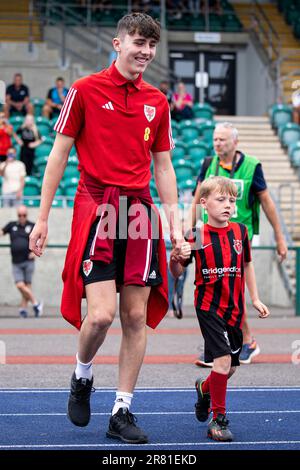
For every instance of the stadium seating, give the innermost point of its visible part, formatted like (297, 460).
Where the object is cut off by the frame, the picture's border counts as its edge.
(16, 121)
(188, 130)
(153, 190)
(58, 198)
(43, 125)
(281, 114)
(289, 134)
(38, 104)
(197, 150)
(202, 112)
(179, 151)
(31, 188)
(207, 130)
(43, 149)
(184, 170)
(70, 187)
(294, 153)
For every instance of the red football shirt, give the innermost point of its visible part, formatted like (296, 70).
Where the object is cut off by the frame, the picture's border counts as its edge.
(116, 123)
(220, 280)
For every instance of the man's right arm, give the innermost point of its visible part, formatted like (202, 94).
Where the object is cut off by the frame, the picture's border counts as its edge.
(57, 162)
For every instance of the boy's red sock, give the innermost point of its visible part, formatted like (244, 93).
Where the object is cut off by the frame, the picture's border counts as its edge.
(205, 385)
(218, 388)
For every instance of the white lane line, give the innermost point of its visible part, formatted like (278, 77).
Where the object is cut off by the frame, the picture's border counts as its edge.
(155, 390)
(155, 444)
(168, 413)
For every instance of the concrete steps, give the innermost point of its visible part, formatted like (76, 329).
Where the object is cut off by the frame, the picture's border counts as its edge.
(15, 24)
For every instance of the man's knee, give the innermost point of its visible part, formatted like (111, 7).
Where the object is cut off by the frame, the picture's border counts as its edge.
(134, 319)
(100, 318)
(21, 285)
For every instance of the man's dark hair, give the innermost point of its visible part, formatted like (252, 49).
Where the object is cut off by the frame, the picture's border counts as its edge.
(139, 23)
(60, 79)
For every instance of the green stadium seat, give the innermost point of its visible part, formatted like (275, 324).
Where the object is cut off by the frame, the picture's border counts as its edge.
(202, 112)
(289, 134)
(215, 22)
(197, 22)
(32, 202)
(58, 200)
(281, 114)
(71, 171)
(153, 190)
(52, 122)
(188, 130)
(179, 151)
(73, 152)
(43, 125)
(175, 130)
(43, 149)
(184, 170)
(231, 23)
(294, 153)
(38, 104)
(32, 186)
(296, 28)
(197, 151)
(207, 130)
(16, 121)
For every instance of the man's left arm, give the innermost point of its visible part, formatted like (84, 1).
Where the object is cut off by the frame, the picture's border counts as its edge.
(165, 179)
(272, 216)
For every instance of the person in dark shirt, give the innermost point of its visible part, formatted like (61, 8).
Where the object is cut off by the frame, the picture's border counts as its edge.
(28, 137)
(222, 265)
(22, 260)
(17, 98)
(55, 99)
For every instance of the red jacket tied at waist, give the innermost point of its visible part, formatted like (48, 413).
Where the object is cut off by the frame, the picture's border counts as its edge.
(89, 198)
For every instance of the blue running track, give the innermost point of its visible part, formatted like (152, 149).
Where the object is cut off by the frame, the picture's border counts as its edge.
(260, 418)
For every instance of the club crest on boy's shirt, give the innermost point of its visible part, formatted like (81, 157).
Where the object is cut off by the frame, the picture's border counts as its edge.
(238, 246)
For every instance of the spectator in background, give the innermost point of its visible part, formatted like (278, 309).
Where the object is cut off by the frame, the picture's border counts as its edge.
(55, 99)
(214, 6)
(29, 139)
(6, 131)
(182, 103)
(17, 98)
(296, 106)
(164, 87)
(13, 172)
(22, 260)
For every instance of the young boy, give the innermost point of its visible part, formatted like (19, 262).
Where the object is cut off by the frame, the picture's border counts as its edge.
(223, 262)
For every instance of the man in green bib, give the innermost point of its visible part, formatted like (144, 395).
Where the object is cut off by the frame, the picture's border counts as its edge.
(247, 173)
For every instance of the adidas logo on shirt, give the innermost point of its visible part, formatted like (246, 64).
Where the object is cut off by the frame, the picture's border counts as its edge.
(108, 105)
(152, 275)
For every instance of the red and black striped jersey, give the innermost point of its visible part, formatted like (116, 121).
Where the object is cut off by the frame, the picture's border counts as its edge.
(219, 278)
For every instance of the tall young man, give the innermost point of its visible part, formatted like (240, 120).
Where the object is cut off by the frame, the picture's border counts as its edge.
(115, 120)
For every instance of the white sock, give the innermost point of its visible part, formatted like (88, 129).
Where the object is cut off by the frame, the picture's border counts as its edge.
(123, 400)
(82, 370)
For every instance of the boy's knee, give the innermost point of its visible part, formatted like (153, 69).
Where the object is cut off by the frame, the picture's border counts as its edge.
(222, 364)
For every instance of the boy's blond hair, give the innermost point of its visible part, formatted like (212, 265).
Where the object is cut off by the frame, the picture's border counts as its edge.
(220, 184)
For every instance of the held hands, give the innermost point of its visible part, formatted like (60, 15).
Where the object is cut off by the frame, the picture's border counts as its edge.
(262, 308)
(182, 254)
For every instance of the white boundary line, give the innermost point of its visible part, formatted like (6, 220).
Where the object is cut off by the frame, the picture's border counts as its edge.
(146, 413)
(152, 390)
(141, 446)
